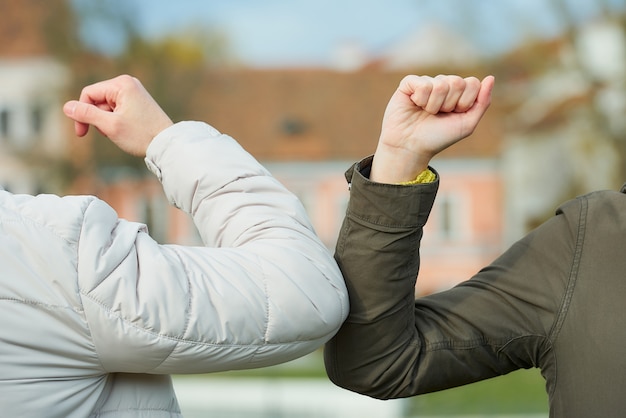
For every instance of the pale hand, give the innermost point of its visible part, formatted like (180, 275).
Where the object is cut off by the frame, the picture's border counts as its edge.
(425, 116)
(122, 110)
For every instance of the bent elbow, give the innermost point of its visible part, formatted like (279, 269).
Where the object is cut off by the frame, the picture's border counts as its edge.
(347, 370)
(314, 314)
(362, 387)
(307, 299)
(332, 304)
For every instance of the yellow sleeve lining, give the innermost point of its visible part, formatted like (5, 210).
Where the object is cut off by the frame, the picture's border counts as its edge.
(425, 176)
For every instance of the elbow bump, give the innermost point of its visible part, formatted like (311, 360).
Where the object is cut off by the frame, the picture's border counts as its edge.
(358, 386)
(326, 290)
(336, 304)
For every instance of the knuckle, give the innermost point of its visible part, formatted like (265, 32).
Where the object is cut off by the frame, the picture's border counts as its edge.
(456, 82)
(440, 87)
(472, 82)
(125, 79)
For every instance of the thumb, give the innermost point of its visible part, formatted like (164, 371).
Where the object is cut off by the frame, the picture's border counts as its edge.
(484, 96)
(84, 114)
(477, 111)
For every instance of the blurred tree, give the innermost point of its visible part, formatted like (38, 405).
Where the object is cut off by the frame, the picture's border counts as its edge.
(607, 80)
(565, 99)
(59, 30)
(100, 40)
(34, 34)
(562, 91)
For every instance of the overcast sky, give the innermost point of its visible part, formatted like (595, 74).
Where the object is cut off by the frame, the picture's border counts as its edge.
(296, 32)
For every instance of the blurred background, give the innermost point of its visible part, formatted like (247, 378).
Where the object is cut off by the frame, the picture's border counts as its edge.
(302, 85)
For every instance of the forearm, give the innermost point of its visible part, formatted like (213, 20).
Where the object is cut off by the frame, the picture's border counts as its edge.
(378, 254)
(236, 204)
(380, 349)
(263, 290)
(395, 346)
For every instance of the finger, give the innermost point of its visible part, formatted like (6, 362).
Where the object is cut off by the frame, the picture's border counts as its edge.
(81, 129)
(483, 100)
(419, 90)
(99, 93)
(456, 89)
(469, 94)
(85, 114)
(95, 94)
(484, 95)
(437, 95)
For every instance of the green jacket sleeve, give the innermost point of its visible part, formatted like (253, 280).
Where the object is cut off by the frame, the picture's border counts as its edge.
(393, 345)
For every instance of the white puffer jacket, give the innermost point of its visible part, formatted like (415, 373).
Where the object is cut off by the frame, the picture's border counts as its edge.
(95, 314)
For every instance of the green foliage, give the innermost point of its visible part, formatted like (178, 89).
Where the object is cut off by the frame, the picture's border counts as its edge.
(170, 67)
(520, 392)
(59, 26)
(310, 366)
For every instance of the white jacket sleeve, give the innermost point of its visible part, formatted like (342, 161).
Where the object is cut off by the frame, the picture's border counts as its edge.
(263, 290)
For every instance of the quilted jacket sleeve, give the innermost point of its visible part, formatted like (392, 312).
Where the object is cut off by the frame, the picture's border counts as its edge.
(263, 290)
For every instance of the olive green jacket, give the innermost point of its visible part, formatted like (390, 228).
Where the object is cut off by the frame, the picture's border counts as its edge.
(554, 300)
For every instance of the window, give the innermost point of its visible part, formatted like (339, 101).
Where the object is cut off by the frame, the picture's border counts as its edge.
(37, 117)
(292, 126)
(4, 123)
(450, 212)
(152, 210)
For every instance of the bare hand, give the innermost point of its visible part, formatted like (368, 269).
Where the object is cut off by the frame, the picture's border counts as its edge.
(425, 116)
(122, 110)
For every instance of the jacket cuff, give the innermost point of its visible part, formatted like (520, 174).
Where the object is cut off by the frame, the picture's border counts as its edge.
(162, 141)
(388, 205)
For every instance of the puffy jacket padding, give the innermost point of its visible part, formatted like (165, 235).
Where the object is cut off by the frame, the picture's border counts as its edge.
(96, 314)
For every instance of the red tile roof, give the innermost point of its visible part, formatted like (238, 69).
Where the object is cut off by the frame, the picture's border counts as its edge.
(312, 114)
(23, 27)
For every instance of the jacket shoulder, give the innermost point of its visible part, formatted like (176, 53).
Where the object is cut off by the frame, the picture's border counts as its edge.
(63, 216)
(597, 199)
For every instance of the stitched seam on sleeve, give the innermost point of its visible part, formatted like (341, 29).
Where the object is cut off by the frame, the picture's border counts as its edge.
(78, 283)
(267, 302)
(189, 311)
(185, 340)
(43, 305)
(573, 276)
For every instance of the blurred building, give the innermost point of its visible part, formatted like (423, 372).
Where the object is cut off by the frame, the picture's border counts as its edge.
(306, 125)
(565, 125)
(32, 85)
(309, 125)
(557, 116)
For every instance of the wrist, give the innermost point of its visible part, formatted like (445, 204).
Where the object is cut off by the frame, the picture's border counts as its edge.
(397, 166)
